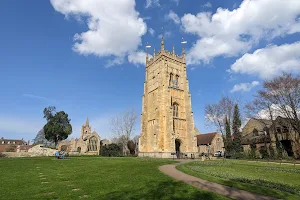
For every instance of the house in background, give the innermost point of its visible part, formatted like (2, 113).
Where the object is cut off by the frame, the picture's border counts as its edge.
(263, 133)
(209, 143)
(14, 145)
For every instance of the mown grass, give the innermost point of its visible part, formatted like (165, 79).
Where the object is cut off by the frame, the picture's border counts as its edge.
(281, 181)
(92, 178)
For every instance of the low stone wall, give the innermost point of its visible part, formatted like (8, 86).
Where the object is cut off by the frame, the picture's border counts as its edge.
(17, 154)
(165, 154)
(34, 151)
(41, 151)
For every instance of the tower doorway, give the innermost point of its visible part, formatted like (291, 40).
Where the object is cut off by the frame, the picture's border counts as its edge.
(177, 147)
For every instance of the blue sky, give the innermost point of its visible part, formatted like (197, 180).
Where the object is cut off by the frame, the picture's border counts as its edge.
(87, 57)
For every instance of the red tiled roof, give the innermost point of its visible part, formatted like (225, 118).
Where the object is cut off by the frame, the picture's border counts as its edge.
(17, 142)
(203, 139)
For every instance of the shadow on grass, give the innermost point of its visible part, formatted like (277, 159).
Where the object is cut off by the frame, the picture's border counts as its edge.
(164, 190)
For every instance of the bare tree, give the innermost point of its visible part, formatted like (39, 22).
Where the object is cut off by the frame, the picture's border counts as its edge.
(280, 96)
(216, 113)
(122, 127)
(284, 92)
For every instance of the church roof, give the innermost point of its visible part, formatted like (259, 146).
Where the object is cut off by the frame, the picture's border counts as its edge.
(203, 139)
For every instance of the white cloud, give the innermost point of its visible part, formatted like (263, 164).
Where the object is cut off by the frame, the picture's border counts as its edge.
(151, 31)
(173, 16)
(234, 32)
(270, 61)
(115, 28)
(244, 87)
(152, 3)
(276, 112)
(137, 58)
(34, 96)
(207, 5)
(264, 114)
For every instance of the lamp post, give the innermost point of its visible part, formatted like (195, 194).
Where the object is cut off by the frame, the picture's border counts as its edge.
(208, 151)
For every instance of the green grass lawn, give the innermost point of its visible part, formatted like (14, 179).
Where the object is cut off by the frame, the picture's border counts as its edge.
(91, 178)
(281, 181)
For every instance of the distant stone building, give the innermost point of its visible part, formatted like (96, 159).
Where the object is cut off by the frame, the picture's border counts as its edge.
(13, 145)
(167, 122)
(88, 143)
(263, 134)
(209, 143)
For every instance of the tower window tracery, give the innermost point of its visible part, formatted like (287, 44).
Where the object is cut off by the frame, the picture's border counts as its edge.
(171, 80)
(175, 109)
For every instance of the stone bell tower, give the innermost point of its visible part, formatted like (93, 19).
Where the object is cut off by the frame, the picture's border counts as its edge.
(167, 123)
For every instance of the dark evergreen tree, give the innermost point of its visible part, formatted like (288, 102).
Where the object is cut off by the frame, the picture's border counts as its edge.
(236, 125)
(228, 140)
(58, 125)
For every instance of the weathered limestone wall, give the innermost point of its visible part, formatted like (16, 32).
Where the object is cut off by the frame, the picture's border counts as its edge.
(34, 151)
(37, 150)
(159, 128)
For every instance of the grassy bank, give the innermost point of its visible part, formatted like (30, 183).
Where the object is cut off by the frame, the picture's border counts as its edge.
(91, 178)
(281, 181)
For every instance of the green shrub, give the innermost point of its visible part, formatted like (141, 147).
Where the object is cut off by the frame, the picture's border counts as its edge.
(2, 155)
(111, 150)
(272, 152)
(264, 152)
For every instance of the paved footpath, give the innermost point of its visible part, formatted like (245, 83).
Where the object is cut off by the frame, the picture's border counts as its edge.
(230, 192)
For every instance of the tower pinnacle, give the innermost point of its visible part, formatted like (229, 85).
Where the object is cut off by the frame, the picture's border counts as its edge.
(162, 44)
(173, 49)
(87, 122)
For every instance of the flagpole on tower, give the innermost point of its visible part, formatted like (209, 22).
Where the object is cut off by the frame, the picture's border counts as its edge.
(183, 42)
(162, 45)
(147, 47)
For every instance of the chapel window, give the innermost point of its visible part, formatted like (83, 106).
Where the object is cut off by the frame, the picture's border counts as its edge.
(255, 132)
(285, 129)
(92, 144)
(278, 129)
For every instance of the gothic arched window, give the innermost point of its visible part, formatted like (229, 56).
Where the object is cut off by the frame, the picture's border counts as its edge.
(92, 144)
(255, 132)
(176, 81)
(285, 129)
(175, 109)
(171, 80)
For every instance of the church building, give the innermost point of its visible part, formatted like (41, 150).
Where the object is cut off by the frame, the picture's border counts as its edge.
(88, 143)
(167, 122)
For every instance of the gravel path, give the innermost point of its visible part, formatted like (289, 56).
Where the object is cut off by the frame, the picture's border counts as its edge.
(230, 192)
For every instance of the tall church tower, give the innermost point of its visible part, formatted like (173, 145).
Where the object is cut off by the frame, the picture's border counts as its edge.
(167, 123)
